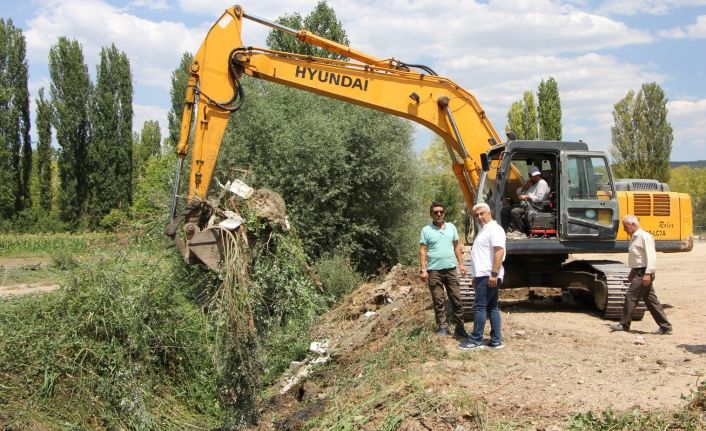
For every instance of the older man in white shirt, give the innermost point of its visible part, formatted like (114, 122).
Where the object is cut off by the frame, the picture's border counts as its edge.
(642, 260)
(487, 256)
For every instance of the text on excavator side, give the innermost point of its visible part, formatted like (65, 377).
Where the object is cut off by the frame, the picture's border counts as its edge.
(331, 78)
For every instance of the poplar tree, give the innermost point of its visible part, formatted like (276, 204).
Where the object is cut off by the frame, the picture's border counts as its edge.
(321, 21)
(180, 80)
(549, 110)
(15, 145)
(44, 151)
(70, 92)
(110, 150)
(522, 118)
(641, 135)
(146, 145)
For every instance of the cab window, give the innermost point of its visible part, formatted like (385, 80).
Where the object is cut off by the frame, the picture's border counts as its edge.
(589, 178)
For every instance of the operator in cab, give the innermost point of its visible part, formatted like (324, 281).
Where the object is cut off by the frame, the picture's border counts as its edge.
(534, 191)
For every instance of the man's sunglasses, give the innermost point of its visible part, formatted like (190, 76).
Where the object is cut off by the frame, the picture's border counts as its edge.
(438, 212)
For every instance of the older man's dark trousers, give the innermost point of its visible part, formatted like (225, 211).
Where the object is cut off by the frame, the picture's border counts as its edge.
(441, 280)
(637, 292)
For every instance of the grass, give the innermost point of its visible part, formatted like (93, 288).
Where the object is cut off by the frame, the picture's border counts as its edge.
(131, 339)
(120, 346)
(28, 274)
(47, 244)
(691, 417)
(382, 388)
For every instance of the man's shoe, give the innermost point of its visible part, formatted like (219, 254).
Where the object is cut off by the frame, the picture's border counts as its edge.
(663, 331)
(443, 332)
(496, 346)
(618, 327)
(516, 235)
(460, 332)
(470, 345)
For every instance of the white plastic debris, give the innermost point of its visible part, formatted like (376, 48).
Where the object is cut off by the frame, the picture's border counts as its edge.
(241, 189)
(369, 313)
(232, 221)
(319, 347)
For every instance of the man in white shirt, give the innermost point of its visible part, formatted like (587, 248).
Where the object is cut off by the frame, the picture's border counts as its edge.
(533, 192)
(642, 260)
(487, 256)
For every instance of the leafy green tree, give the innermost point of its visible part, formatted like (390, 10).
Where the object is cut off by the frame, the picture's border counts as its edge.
(70, 92)
(549, 110)
(690, 180)
(110, 149)
(321, 21)
(44, 152)
(347, 173)
(522, 118)
(641, 134)
(145, 145)
(15, 145)
(440, 179)
(180, 80)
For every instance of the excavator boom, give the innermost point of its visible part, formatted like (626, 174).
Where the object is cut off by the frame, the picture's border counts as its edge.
(385, 85)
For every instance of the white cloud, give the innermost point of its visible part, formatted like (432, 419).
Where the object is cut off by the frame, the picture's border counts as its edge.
(693, 31)
(589, 86)
(688, 119)
(651, 7)
(453, 28)
(144, 113)
(154, 48)
(149, 4)
(497, 49)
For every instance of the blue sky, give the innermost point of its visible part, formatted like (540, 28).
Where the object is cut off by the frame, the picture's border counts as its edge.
(596, 50)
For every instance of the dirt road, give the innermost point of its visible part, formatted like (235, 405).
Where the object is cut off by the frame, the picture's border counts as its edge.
(563, 359)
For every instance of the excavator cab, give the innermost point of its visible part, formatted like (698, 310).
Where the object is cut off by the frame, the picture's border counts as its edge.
(582, 204)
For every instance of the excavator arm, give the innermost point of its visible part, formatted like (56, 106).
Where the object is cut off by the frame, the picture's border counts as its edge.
(214, 92)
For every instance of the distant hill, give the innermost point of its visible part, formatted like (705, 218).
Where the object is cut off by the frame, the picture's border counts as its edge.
(694, 164)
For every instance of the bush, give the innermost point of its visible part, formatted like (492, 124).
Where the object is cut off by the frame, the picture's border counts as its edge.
(63, 260)
(115, 220)
(337, 276)
(119, 347)
(33, 220)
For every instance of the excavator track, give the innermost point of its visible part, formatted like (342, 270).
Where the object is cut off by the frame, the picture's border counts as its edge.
(614, 276)
(468, 294)
(611, 284)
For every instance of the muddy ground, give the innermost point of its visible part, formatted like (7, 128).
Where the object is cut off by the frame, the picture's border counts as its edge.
(559, 358)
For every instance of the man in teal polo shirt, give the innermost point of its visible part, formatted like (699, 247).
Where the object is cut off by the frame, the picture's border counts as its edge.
(439, 250)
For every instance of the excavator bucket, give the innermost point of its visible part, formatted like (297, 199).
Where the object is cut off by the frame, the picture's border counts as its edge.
(206, 246)
(203, 247)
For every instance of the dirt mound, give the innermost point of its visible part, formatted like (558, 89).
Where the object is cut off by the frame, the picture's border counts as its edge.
(270, 206)
(373, 311)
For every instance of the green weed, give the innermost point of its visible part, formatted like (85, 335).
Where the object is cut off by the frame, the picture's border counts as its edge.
(63, 260)
(50, 243)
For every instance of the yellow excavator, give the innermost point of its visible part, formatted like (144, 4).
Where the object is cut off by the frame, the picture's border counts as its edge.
(582, 214)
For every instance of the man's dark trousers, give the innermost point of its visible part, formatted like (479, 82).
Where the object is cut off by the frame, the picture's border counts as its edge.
(440, 280)
(637, 292)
